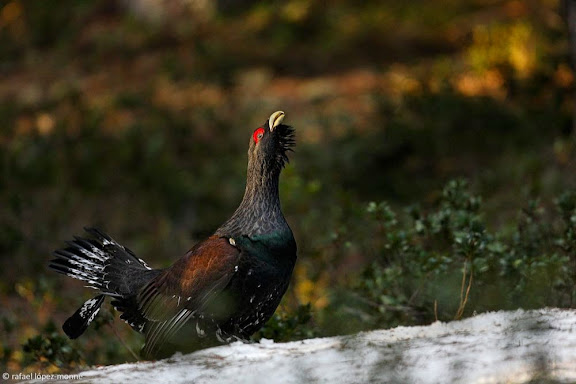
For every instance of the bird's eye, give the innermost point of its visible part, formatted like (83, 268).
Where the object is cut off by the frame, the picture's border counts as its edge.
(258, 134)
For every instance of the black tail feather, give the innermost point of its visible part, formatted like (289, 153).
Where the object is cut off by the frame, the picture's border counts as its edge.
(106, 266)
(98, 234)
(81, 319)
(82, 260)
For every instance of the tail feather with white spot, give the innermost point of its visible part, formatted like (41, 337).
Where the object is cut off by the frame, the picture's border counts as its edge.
(81, 319)
(106, 266)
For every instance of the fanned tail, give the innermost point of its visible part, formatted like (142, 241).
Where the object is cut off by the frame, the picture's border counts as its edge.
(106, 266)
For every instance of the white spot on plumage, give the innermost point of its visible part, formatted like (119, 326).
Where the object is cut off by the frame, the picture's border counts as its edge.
(95, 253)
(93, 315)
(86, 306)
(144, 264)
(199, 330)
(232, 241)
(219, 335)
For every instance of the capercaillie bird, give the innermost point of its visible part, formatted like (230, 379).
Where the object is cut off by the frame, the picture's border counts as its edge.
(223, 289)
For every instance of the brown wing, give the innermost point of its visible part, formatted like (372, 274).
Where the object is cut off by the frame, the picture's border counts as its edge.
(184, 289)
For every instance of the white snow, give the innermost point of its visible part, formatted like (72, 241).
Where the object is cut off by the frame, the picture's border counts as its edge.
(500, 347)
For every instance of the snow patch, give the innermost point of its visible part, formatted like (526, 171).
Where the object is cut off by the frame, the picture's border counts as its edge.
(499, 347)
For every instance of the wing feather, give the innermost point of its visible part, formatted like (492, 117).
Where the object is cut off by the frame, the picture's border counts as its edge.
(185, 289)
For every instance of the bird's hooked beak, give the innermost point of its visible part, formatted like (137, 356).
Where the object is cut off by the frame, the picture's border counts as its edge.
(275, 120)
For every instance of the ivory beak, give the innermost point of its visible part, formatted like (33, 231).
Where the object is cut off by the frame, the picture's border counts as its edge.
(275, 120)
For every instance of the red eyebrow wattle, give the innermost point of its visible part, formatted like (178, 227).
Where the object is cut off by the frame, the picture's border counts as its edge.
(256, 133)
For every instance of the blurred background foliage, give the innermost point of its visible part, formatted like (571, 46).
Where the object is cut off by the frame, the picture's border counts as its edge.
(433, 178)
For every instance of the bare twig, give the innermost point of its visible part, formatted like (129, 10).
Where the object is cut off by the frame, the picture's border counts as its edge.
(464, 293)
(122, 341)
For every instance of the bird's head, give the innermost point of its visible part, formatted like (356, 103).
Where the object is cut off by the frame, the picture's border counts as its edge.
(270, 142)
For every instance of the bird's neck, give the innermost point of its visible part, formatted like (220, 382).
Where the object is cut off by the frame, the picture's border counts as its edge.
(260, 211)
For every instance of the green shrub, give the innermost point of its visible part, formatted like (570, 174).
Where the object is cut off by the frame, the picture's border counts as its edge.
(50, 348)
(441, 262)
